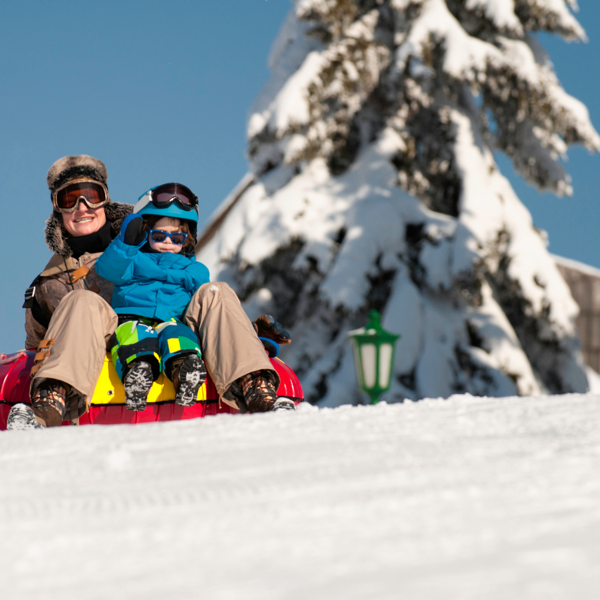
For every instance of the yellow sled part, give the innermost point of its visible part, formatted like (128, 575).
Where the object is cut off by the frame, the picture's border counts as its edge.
(110, 390)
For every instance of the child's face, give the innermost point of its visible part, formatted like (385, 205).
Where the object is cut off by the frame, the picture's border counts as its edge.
(169, 225)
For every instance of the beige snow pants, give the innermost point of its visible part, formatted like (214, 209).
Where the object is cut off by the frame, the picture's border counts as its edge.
(83, 323)
(230, 346)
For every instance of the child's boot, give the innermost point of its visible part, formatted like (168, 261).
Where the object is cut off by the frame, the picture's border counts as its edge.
(137, 382)
(188, 375)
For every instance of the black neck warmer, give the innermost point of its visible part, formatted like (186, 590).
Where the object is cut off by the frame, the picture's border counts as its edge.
(92, 243)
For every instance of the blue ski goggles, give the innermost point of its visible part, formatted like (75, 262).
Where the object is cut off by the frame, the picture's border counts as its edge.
(177, 237)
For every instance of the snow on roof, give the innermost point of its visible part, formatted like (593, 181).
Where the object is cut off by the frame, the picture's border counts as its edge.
(576, 265)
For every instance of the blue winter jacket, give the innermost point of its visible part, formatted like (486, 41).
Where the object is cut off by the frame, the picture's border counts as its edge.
(153, 285)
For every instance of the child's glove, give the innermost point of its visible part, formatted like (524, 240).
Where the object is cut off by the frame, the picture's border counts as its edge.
(131, 230)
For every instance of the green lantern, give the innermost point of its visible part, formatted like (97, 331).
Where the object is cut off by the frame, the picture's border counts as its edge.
(374, 356)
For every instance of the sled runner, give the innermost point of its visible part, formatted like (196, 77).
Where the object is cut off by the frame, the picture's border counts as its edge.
(108, 402)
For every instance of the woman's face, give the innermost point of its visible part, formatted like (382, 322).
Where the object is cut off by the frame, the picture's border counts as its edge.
(84, 220)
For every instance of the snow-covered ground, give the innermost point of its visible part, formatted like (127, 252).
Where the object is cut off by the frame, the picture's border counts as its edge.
(469, 498)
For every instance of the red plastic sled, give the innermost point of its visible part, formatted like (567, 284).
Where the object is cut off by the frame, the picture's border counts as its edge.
(108, 402)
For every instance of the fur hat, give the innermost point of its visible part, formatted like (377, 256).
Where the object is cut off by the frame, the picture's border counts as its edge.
(74, 167)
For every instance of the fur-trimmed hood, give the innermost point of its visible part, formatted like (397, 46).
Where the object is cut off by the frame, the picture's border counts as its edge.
(56, 234)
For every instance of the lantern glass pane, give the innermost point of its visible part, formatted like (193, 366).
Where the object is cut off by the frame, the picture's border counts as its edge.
(359, 375)
(369, 358)
(385, 365)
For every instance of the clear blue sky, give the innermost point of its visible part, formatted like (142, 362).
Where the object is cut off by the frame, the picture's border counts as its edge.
(160, 91)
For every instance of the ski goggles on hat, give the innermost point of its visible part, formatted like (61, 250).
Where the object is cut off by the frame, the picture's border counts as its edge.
(66, 198)
(158, 235)
(165, 195)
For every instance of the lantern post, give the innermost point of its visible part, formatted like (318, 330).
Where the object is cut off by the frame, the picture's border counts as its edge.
(373, 356)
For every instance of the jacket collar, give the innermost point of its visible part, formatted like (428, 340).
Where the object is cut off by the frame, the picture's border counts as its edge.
(61, 264)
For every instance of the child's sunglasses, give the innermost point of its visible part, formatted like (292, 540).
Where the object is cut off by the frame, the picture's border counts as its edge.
(158, 235)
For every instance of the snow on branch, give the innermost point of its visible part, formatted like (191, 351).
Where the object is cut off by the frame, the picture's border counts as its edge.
(501, 13)
(517, 83)
(552, 16)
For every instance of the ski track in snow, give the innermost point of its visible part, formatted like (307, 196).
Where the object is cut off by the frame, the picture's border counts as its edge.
(466, 498)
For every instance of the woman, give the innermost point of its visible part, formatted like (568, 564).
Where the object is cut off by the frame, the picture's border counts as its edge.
(69, 318)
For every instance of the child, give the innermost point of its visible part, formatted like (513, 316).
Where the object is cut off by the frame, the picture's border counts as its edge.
(154, 269)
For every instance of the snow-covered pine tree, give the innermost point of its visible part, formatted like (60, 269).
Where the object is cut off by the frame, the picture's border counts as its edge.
(375, 186)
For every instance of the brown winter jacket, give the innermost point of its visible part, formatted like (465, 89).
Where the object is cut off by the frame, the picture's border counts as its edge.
(53, 282)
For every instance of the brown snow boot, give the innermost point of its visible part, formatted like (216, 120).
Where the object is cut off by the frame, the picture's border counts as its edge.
(258, 391)
(49, 402)
(260, 395)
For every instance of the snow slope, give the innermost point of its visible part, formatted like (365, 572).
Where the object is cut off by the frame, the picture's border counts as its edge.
(467, 498)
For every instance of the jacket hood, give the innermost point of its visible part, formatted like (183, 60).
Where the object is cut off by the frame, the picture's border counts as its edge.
(56, 234)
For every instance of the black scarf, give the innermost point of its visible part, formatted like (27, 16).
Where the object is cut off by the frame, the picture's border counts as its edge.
(92, 243)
